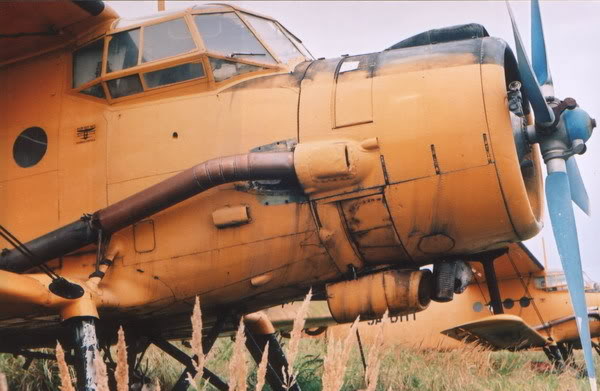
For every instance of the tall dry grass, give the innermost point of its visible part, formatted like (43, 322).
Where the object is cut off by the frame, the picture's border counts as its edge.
(289, 375)
(327, 364)
(375, 353)
(261, 372)
(238, 366)
(336, 359)
(197, 336)
(122, 369)
(196, 346)
(101, 373)
(66, 383)
(296, 334)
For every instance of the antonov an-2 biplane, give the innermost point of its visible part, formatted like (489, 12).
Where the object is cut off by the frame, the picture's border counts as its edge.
(206, 153)
(527, 307)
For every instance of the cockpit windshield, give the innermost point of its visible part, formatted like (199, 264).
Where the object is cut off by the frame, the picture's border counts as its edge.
(226, 34)
(274, 37)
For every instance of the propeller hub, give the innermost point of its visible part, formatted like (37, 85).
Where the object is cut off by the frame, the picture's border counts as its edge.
(579, 124)
(568, 134)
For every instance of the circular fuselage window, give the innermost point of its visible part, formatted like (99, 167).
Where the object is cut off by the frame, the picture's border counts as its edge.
(30, 147)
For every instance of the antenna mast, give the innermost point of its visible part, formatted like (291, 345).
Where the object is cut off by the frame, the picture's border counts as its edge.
(545, 255)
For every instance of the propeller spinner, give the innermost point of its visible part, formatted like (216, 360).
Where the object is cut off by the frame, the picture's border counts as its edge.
(561, 129)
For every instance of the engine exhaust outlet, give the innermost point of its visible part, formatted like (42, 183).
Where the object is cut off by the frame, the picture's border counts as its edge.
(401, 292)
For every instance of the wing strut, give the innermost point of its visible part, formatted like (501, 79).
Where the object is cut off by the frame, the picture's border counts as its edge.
(487, 261)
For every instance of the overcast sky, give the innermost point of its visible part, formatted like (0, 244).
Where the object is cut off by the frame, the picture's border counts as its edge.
(572, 28)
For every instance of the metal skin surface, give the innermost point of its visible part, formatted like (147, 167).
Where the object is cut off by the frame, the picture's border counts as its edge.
(395, 170)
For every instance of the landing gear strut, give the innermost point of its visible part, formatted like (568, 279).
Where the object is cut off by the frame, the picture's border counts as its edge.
(553, 352)
(259, 331)
(85, 345)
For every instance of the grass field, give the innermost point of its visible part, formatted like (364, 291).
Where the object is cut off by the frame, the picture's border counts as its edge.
(323, 363)
(469, 368)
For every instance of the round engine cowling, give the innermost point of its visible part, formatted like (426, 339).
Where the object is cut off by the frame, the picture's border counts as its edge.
(400, 292)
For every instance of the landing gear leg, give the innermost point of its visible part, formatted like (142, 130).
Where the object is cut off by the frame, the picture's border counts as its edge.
(259, 331)
(556, 359)
(136, 349)
(85, 345)
(566, 350)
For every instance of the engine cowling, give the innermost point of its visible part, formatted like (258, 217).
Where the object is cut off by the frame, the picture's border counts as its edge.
(446, 178)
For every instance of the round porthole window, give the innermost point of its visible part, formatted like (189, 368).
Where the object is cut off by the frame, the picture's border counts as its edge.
(30, 147)
(524, 301)
(508, 303)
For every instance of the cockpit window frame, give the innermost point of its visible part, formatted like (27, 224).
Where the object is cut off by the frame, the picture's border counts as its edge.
(199, 45)
(200, 54)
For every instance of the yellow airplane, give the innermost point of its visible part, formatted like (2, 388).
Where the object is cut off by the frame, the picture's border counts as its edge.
(206, 153)
(526, 308)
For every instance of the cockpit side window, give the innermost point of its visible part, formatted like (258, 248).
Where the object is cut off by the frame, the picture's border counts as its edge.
(223, 69)
(274, 37)
(123, 50)
(226, 34)
(172, 75)
(125, 86)
(166, 39)
(551, 282)
(87, 63)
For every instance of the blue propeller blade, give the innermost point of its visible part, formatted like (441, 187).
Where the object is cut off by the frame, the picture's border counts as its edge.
(543, 113)
(538, 46)
(578, 193)
(558, 195)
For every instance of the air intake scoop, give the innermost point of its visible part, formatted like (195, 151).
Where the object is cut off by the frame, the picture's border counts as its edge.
(445, 34)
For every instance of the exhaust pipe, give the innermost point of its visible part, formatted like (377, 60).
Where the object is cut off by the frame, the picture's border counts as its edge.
(178, 188)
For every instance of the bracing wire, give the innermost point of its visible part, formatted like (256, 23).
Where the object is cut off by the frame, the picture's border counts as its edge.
(526, 288)
(19, 246)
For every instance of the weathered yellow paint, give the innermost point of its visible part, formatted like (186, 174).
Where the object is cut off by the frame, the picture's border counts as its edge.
(353, 100)
(448, 204)
(395, 170)
(333, 237)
